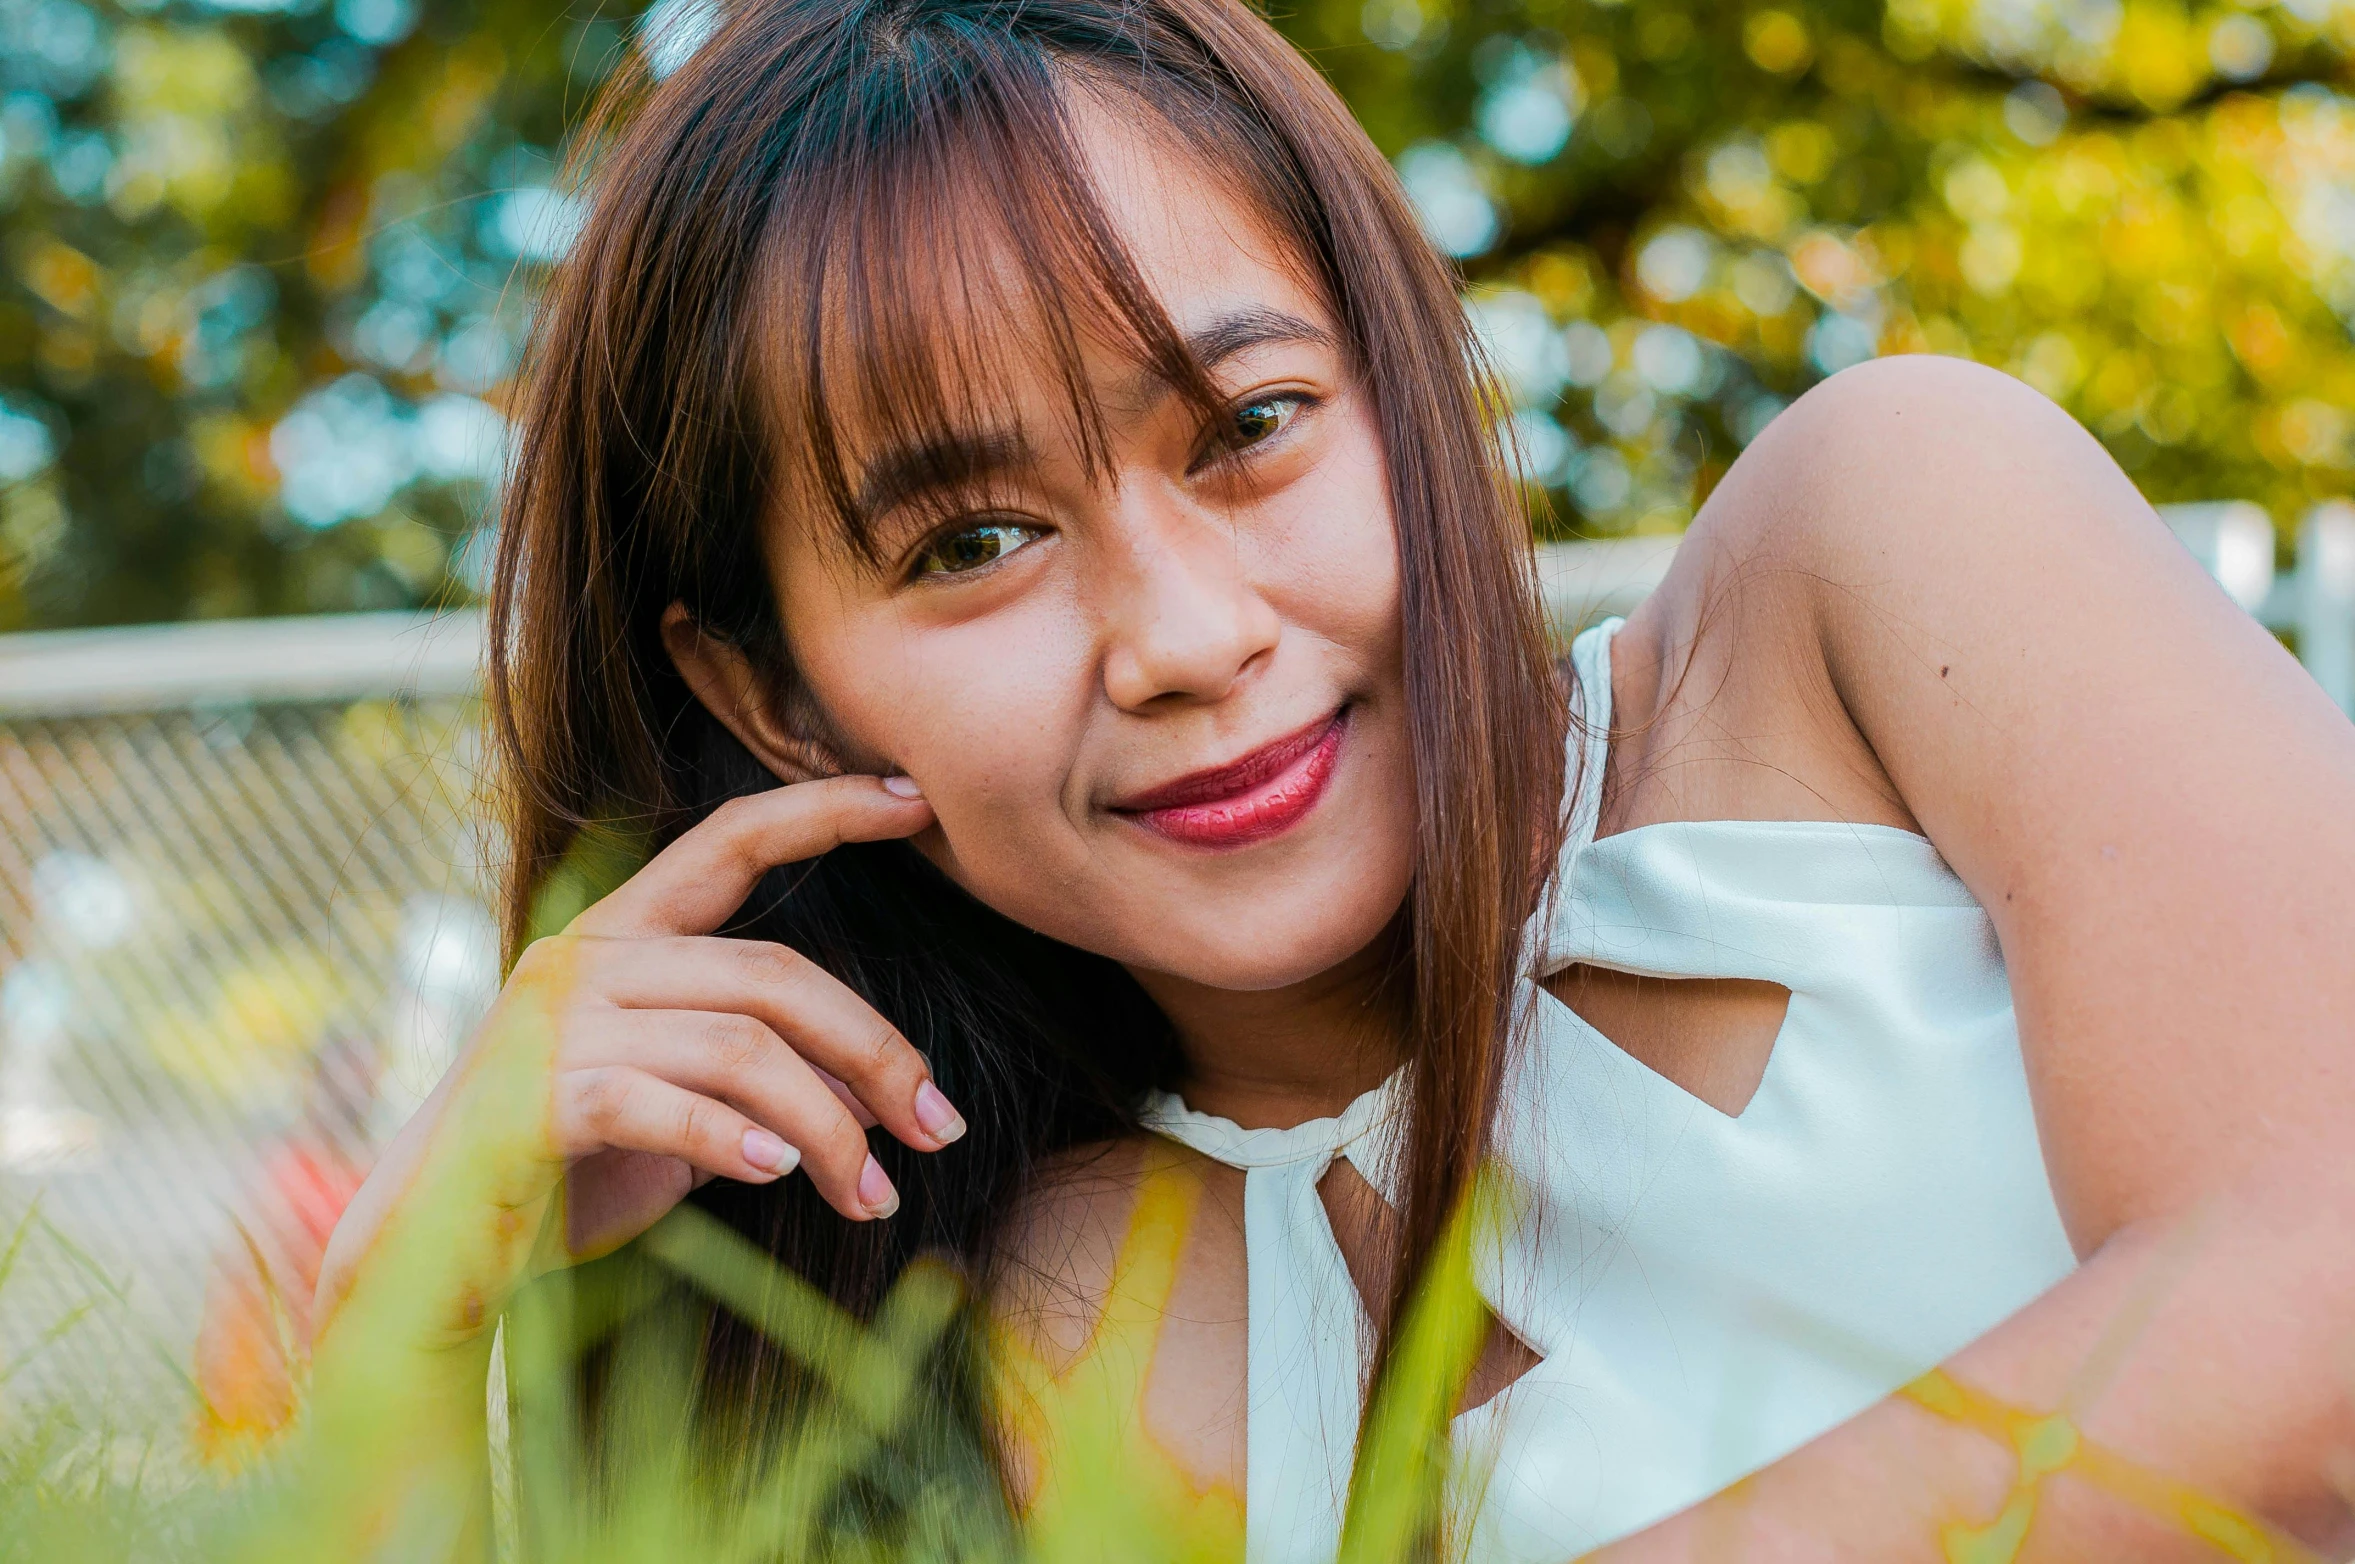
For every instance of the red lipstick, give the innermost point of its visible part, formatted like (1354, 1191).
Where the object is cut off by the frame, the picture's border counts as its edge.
(1249, 800)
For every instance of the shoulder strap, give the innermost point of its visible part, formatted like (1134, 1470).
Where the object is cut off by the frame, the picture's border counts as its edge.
(1306, 1351)
(1590, 730)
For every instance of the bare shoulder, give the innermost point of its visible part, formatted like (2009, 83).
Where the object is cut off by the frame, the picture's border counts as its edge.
(1903, 474)
(1930, 529)
(1912, 482)
(1910, 532)
(1055, 1261)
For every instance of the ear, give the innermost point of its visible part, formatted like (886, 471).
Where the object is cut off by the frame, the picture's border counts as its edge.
(782, 728)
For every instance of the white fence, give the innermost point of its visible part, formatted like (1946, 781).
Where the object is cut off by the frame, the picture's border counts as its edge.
(243, 921)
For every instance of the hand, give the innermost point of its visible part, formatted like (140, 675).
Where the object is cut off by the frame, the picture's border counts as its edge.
(682, 1056)
(676, 1056)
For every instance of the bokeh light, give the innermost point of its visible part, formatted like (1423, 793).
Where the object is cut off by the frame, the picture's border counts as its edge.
(270, 264)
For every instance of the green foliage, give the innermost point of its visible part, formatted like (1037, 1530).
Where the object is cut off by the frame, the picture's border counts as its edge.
(866, 1470)
(394, 1456)
(1675, 218)
(258, 294)
(873, 1442)
(267, 268)
(1399, 1490)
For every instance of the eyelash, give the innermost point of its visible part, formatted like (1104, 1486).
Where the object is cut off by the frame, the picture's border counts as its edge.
(1294, 402)
(931, 549)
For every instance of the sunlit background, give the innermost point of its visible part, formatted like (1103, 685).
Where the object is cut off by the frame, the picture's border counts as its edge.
(267, 273)
(268, 266)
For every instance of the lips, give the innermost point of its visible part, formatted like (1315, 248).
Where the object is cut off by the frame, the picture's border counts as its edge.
(1249, 800)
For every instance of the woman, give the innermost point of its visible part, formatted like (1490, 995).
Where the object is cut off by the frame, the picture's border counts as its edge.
(1037, 436)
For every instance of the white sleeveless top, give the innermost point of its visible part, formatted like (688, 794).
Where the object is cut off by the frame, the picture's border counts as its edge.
(1708, 1293)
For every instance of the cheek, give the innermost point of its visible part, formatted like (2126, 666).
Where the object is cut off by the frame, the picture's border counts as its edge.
(1332, 557)
(983, 716)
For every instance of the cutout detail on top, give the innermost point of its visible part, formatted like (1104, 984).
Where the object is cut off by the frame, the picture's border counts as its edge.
(1710, 1038)
(1362, 1224)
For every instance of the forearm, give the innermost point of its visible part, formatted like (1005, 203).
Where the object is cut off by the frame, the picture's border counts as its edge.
(448, 1219)
(400, 1448)
(2187, 1385)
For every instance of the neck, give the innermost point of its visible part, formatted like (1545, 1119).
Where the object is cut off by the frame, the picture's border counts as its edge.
(1278, 1057)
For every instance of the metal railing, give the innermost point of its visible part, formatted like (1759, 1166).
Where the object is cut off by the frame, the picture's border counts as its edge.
(243, 921)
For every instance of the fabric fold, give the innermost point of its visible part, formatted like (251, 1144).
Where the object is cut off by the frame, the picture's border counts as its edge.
(1308, 1335)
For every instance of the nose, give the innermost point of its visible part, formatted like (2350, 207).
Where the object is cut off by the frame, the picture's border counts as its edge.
(1183, 619)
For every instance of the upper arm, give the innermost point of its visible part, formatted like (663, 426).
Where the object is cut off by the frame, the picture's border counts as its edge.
(2154, 803)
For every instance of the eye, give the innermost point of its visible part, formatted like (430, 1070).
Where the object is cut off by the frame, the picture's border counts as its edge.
(972, 546)
(1259, 420)
(1250, 424)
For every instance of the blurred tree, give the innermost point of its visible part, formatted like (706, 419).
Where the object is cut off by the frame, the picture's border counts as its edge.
(1676, 217)
(267, 266)
(260, 293)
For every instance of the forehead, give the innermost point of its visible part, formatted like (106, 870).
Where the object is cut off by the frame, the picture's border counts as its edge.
(965, 307)
(1202, 242)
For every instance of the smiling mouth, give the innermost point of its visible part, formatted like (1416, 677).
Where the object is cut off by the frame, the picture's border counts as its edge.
(1261, 795)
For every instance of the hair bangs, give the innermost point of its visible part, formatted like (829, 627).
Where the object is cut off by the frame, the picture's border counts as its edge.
(951, 245)
(848, 228)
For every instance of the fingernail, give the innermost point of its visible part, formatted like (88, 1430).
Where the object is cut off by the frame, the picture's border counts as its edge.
(875, 1191)
(942, 1122)
(902, 787)
(764, 1150)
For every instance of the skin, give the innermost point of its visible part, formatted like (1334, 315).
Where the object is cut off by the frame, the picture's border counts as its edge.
(1927, 599)
(1176, 618)
(1923, 598)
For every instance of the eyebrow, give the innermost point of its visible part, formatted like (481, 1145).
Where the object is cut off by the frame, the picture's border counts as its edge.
(903, 474)
(1244, 329)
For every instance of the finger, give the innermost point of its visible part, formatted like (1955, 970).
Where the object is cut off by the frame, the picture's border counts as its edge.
(736, 1060)
(816, 1012)
(628, 1109)
(611, 1197)
(858, 1110)
(693, 885)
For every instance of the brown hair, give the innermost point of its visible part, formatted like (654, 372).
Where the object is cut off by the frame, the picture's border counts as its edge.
(761, 219)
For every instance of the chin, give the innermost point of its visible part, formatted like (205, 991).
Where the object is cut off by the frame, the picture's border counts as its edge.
(1250, 972)
(1260, 919)
(1273, 942)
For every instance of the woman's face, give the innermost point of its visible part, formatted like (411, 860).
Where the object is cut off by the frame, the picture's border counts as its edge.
(1160, 715)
